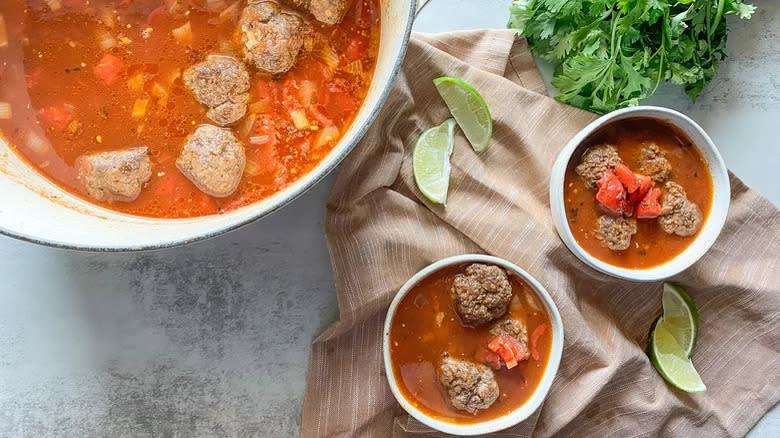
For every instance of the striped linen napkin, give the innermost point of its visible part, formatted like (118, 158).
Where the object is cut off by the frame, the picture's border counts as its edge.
(381, 230)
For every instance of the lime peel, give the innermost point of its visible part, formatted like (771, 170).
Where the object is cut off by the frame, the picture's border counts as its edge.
(681, 317)
(468, 108)
(672, 362)
(431, 161)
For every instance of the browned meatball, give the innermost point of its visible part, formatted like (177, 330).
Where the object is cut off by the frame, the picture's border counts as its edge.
(653, 163)
(222, 84)
(116, 175)
(595, 161)
(469, 385)
(326, 11)
(679, 215)
(615, 232)
(272, 36)
(482, 294)
(213, 159)
(514, 328)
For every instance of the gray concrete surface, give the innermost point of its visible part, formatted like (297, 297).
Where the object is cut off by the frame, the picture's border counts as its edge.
(213, 339)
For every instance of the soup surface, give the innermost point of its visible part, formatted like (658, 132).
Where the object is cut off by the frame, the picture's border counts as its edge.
(79, 77)
(426, 328)
(651, 245)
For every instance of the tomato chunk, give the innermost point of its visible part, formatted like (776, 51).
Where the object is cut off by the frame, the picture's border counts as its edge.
(645, 184)
(57, 117)
(357, 49)
(649, 208)
(488, 358)
(627, 178)
(612, 194)
(538, 332)
(159, 12)
(109, 69)
(509, 349)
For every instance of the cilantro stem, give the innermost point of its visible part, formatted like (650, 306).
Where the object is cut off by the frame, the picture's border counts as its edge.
(718, 16)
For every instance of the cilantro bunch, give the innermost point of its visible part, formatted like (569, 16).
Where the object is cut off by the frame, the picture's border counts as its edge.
(613, 53)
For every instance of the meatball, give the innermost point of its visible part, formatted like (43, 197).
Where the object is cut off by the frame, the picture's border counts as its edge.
(116, 175)
(272, 36)
(653, 163)
(222, 84)
(679, 215)
(514, 328)
(470, 386)
(326, 11)
(615, 232)
(213, 159)
(595, 161)
(482, 294)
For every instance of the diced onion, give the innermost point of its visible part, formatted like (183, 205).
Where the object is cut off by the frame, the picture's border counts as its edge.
(260, 107)
(230, 13)
(5, 111)
(54, 5)
(136, 82)
(306, 90)
(215, 5)
(3, 32)
(37, 144)
(105, 40)
(532, 303)
(252, 168)
(183, 34)
(106, 17)
(247, 126)
(327, 136)
(354, 68)
(259, 139)
(299, 119)
(308, 43)
(226, 47)
(160, 93)
(139, 108)
(330, 56)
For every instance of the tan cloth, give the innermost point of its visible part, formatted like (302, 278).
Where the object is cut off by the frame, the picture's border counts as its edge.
(381, 231)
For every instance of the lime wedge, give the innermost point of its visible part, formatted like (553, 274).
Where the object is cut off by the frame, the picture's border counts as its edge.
(469, 109)
(680, 317)
(431, 161)
(671, 361)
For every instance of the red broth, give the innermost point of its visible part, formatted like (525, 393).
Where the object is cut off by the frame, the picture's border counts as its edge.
(61, 110)
(418, 344)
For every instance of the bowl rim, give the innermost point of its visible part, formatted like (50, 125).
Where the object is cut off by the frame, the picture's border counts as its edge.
(269, 205)
(520, 413)
(713, 223)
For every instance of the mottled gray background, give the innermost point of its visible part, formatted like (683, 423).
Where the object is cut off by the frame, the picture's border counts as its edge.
(213, 339)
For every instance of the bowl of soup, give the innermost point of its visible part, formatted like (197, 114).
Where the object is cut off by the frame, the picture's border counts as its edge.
(133, 124)
(472, 344)
(641, 193)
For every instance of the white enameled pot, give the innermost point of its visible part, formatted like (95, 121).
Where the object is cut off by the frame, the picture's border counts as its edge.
(35, 209)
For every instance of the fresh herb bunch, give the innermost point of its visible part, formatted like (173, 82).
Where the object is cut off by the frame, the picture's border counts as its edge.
(613, 53)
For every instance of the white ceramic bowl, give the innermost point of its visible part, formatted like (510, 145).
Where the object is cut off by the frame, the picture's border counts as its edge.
(536, 399)
(37, 210)
(712, 223)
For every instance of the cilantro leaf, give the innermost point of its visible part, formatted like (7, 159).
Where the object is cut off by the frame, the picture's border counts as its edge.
(611, 54)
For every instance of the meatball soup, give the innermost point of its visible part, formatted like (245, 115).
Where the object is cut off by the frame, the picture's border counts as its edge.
(638, 193)
(469, 343)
